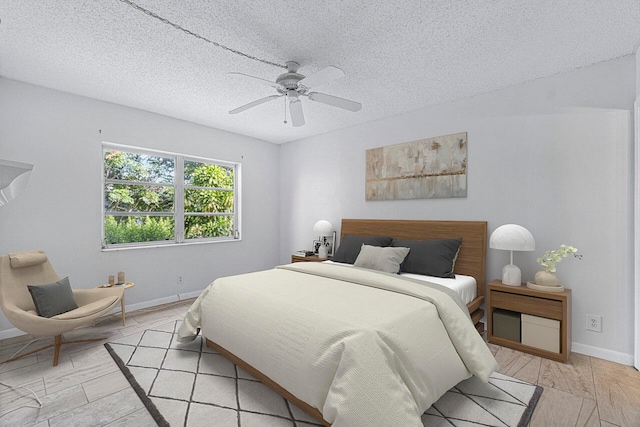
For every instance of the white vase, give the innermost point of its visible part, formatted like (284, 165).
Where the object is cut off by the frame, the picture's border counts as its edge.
(323, 252)
(546, 278)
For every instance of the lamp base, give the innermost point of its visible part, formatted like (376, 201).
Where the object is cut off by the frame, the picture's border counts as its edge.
(511, 275)
(322, 252)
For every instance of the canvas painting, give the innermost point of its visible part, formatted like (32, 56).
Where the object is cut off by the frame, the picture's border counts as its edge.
(423, 169)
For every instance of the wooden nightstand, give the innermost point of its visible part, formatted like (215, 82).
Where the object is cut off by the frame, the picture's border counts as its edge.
(544, 306)
(312, 258)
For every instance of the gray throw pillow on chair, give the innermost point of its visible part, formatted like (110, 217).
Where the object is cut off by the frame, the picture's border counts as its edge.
(53, 298)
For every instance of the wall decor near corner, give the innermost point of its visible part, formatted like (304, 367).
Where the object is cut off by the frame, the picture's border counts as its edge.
(424, 169)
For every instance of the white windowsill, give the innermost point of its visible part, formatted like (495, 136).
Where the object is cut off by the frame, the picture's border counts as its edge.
(168, 245)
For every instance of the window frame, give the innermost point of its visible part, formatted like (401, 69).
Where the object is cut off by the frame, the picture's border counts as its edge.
(178, 214)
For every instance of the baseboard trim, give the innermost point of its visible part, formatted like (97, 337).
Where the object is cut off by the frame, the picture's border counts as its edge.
(15, 332)
(194, 294)
(150, 303)
(602, 353)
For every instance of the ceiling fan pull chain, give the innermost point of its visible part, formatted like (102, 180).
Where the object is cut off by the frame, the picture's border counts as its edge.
(191, 33)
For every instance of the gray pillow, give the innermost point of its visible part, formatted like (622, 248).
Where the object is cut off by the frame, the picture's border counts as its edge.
(381, 259)
(349, 249)
(430, 257)
(53, 298)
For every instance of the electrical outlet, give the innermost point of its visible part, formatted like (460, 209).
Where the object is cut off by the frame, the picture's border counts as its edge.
(179, 280)
(594, 323)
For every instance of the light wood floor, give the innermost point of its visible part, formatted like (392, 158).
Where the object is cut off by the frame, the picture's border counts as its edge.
(87, 388)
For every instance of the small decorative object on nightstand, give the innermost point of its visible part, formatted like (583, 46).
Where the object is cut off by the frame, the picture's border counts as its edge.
(546, 280)
(544, 320)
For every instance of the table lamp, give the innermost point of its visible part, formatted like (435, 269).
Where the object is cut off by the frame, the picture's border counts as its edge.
(512, 237)
(326, 235)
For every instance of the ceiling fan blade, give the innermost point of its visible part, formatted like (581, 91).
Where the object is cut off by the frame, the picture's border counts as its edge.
(295, 109)
(256, 80)
(253, 104)
(335, 101)
(322, 77)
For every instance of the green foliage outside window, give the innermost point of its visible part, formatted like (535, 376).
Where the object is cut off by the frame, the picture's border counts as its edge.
(202, 200)
(151, 189)
(137, 229)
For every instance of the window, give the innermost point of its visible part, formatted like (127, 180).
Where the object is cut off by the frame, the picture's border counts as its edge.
(152, 197)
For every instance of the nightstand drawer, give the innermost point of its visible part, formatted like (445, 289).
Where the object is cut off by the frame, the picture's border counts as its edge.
(527, 304)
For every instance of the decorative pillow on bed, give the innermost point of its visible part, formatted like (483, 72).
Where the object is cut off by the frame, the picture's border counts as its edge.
(349, 249)
(430, 257)
(382, 259)
(53, 298)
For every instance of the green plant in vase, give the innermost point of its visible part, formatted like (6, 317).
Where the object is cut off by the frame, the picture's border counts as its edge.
(547, 276)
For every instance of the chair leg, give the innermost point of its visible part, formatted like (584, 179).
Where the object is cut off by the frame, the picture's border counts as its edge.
(56, 353)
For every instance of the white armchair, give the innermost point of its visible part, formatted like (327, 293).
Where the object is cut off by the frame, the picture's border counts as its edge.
(18, 270)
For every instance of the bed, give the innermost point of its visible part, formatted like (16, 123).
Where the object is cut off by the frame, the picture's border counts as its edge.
(352, 346)
(471, 260)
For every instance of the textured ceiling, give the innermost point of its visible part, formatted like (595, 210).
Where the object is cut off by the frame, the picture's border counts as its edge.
(398, 56)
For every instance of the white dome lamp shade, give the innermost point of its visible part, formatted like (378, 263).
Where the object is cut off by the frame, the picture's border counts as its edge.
(512, 237)
(326, 234)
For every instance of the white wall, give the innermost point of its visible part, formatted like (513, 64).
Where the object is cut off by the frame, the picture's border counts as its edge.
(553, 155)
(60, 211)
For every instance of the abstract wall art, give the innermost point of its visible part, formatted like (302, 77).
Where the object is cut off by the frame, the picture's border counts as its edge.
(424, 169)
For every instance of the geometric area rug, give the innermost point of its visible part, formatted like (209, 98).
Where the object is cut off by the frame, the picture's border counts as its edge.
(192, 385)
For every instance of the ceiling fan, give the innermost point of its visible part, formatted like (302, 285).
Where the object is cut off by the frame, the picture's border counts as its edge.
(294, 86)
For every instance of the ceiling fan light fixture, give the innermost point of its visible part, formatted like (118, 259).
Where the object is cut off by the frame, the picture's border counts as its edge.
(295, 110)
(293, 85)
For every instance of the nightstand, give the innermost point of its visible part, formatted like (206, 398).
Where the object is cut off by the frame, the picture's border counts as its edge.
(543, 317)
(312, 258)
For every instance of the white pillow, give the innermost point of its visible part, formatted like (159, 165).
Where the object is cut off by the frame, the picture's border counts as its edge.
(382, 259)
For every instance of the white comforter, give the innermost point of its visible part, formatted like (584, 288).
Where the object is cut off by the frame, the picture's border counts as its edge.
(366, 349)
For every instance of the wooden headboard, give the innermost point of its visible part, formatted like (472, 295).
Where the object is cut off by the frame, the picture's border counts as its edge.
(472, 258)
